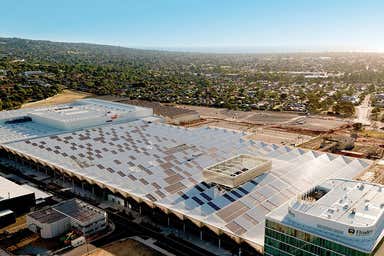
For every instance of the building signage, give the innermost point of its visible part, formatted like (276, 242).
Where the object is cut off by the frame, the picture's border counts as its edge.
(357, 232)
(330, 229)
(351, 231)
(364, 232)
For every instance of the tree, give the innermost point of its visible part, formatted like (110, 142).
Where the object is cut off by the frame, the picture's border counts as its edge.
(346, 109)
(357, 126)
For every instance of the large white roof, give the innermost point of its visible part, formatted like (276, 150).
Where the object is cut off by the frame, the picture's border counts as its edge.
(350, 202)
(9, 189)
(162, 166)
(84, 109)
(35, 122)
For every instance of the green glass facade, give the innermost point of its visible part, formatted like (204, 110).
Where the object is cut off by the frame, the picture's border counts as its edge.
(281, 240)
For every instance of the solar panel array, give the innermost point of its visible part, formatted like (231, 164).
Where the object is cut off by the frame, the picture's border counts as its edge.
(79, 211)
(47, 216)
(163, 165)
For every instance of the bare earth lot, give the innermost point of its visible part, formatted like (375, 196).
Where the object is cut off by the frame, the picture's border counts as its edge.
(279, 137)
(292, 122)
(67, 96)
(119, 248)
(253, 117)
(317, 123)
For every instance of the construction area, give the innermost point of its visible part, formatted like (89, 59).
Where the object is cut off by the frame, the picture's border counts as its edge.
(348, 142)
(126, 247)
(297, 122)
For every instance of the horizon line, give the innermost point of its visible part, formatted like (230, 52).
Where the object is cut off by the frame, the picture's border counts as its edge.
(223, 49)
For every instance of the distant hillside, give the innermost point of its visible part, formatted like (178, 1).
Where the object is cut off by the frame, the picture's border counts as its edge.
(70, 53)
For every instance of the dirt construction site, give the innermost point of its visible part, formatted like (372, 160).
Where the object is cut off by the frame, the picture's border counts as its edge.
(283, 120)
(284, 128)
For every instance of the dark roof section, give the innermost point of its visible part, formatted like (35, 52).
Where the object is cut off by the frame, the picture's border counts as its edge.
(47, 216)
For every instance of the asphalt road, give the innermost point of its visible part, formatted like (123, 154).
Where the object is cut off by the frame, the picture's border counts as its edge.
(125, 228)
(363, 111)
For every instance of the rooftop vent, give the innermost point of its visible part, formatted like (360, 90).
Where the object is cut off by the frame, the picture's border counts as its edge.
(314, 194)
(237, 170)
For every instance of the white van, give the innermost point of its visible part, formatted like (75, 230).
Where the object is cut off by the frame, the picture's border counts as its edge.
(78, 241)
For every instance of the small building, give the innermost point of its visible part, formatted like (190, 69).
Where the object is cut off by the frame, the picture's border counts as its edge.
(84, 217)
(14, 197)
(48, 223)
(33, 73)
(70, 214)
(350, 99)
(180, 115)
(337, 217)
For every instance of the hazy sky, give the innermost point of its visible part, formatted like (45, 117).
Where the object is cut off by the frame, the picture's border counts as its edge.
(265, 24)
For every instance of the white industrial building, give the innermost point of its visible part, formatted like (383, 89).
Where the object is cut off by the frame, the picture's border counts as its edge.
(87, 113)
(15, 197)
(34, 122)
(48, 223)
(71, 214)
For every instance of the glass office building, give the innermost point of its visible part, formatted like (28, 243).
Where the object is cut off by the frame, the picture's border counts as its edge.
(336, 218)
(287, 241)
